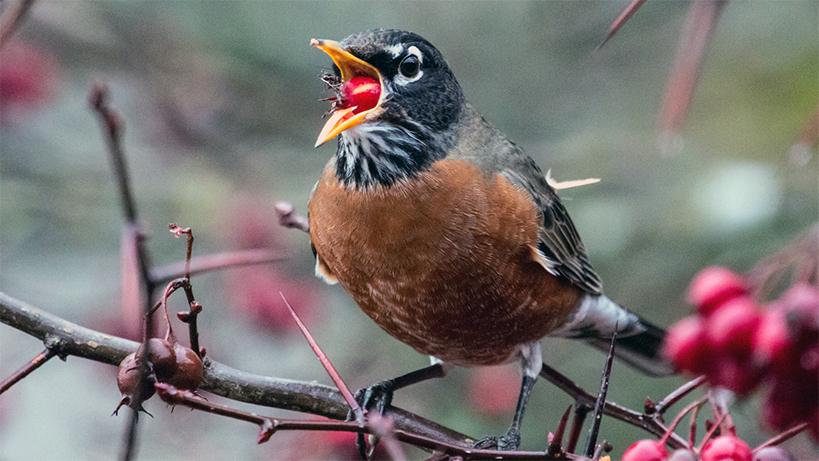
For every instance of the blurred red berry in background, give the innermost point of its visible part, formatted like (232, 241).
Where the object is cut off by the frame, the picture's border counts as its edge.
(712, 287)
(685, 345)
(29, 77)
(493, 390)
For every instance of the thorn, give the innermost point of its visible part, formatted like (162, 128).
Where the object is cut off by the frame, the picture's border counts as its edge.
(555, 445)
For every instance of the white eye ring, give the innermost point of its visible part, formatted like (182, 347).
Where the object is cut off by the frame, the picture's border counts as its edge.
(400, 77)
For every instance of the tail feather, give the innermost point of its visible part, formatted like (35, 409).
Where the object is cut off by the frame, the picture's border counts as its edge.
(642, 351)
(639, 343)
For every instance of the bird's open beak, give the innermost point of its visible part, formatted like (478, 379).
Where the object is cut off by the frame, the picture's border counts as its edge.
(350, 66)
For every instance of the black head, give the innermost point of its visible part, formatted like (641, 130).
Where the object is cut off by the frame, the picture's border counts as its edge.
(410, 125)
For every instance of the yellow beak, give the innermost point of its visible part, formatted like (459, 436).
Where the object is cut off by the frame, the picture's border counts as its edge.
(350, 66)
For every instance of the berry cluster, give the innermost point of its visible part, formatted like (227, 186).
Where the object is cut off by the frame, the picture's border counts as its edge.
(167, 362)
(722, 448)
(739, 345)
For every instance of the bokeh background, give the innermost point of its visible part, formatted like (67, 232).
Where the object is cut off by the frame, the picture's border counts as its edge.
(221, 105)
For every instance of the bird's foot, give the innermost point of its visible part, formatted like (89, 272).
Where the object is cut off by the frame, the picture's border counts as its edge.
(507, 442)
(378, 397)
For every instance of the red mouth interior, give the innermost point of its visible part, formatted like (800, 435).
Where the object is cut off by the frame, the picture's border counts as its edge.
(361, 92)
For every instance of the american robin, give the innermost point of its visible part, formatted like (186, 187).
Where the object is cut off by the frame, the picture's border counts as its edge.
(444, 231)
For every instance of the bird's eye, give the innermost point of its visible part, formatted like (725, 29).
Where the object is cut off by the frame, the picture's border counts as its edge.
(410, 66)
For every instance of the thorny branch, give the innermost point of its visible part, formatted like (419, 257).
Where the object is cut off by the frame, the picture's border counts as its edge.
(26, 369)
(67, 338)
(71, 339)
(208, 263)
(112, 126)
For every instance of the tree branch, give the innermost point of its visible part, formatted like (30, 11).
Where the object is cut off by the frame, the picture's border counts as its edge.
(68, 338)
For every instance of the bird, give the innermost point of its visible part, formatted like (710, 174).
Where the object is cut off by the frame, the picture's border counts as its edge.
(445, 232)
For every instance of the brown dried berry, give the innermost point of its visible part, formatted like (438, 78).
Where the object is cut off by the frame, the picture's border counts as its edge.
(161, 356)
(128, 382)
(188, 369)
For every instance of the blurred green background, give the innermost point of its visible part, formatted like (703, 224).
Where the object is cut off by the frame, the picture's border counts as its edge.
(221, 105)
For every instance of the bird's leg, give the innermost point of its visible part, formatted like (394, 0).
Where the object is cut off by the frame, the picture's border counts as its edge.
(381, 394)
(531, 368)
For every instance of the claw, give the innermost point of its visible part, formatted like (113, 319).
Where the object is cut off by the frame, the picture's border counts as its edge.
(508, 442)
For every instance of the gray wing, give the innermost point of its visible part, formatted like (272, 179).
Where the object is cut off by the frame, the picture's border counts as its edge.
(558, 240)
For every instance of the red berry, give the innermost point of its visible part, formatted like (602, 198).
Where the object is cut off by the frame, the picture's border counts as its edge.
(161, 356)
(188, 369)
(360, 92)
(789, 402)
(731, 328)
(726, 447)
(734, 373)
(714, 286)
(646, 450)
(685, 345)
(773, 345)
(493, 390)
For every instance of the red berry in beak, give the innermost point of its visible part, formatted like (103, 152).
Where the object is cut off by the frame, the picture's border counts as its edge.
(360, 92)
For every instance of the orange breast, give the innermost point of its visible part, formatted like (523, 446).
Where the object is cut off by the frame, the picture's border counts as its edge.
(443, 262)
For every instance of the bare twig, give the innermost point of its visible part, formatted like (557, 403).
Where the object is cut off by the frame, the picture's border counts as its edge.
(580, 412)
(712, 431)
(799, 255)
(27, 369)
(695, 405)
(773, 441)
(678, 394)
(597, 416)
(218, 378)
(191, 316)
(268, 426)
(288, 217)
(12, 17)
(207, 263)
(699, 27)
(328, 366)
(624, 16)
(112, 128)
(555, 447)
(584, 401)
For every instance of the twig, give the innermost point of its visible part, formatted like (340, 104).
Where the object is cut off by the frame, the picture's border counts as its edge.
(580, 412)
(597, 417)
(12, 17)
(695, 405)
(699, 26)
(288, 217)
(328, 366)
(191, 316)
(619, 412)
(27, 369)
(218, 378)
(212, 262)
(678, 394)
(268, 426)
(799, 254)
(624, 16)
(773, 441)
(112, 128)
(555, 445)
(711, 431)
